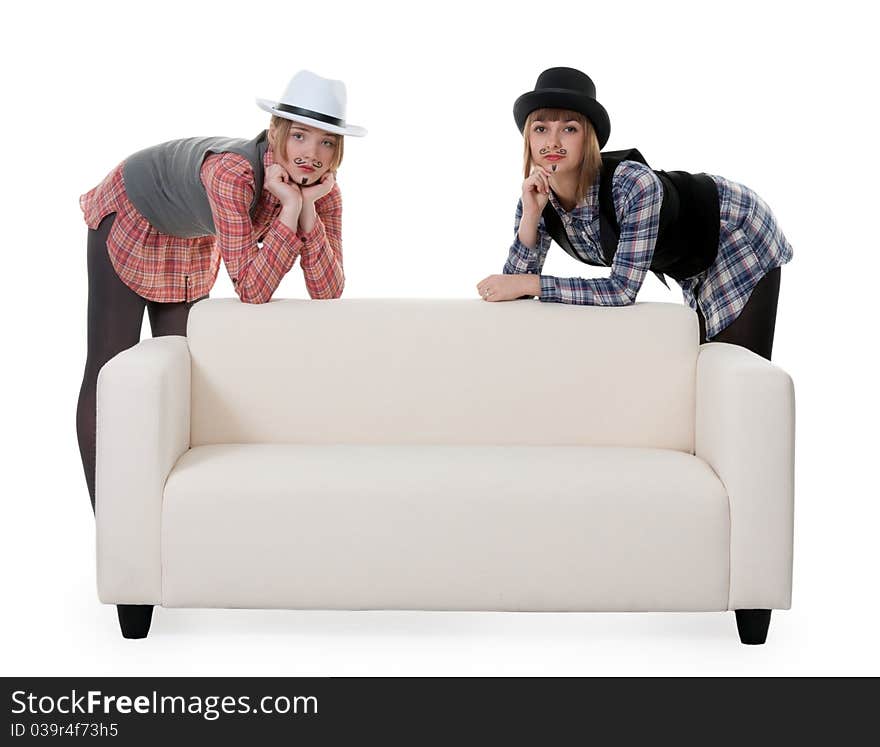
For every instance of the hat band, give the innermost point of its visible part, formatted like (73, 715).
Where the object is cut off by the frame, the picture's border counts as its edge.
(310, 114)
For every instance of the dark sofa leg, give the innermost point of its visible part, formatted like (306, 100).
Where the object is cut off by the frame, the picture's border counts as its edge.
(752, 625)
(134, 619)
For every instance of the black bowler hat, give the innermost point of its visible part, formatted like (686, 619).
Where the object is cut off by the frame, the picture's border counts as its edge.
(564, 88)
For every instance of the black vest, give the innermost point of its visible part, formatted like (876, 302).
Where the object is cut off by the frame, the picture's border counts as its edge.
(687, 239)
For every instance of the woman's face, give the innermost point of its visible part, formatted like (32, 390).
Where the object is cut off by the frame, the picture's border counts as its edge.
(559, 144)
(309, 153)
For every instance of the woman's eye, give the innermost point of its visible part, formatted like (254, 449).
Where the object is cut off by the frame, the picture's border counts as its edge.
(539, 128)
(329, 143)
(296, 135)
(572, 129)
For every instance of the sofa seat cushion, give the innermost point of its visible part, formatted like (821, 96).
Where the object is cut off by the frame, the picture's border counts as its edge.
(444, 527)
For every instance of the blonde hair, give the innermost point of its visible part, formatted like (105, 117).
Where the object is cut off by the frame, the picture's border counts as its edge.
(592, 162)
(280, 127)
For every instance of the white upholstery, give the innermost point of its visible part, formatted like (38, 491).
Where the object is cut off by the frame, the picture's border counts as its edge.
(444, 455)
(451, 372)
(745, 431)
(142, 430)
(444, 527)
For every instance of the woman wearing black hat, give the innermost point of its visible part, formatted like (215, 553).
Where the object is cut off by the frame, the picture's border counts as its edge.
(715, 237)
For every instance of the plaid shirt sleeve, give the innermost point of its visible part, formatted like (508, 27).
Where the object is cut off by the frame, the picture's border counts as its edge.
(322, 248)
(637, 194)
(520, 259)
(255, 272)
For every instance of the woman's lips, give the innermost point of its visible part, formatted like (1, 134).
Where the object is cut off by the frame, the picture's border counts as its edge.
(309, 169)
(554, 158)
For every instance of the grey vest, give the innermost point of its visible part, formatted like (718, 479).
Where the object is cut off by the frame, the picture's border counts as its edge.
(163, 182)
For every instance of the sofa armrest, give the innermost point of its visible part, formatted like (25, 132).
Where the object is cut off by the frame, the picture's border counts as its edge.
(143, 427)
(745, 431)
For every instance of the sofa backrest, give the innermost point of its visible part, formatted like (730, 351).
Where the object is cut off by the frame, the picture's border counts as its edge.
(443, 372)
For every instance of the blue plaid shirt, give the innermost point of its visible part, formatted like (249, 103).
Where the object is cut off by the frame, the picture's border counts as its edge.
(750, 245)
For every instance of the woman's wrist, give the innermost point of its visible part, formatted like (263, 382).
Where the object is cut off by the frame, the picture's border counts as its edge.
(531, 285)
(528, 231)
(307, 216)
(289, 216)
(531, 213)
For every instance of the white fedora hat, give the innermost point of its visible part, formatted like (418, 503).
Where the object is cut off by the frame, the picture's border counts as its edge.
(315, 101)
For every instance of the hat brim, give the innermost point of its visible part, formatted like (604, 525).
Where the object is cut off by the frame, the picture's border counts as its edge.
(562, 98)
(352, 130)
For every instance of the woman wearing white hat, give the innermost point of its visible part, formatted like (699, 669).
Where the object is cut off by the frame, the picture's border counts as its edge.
(160, 222)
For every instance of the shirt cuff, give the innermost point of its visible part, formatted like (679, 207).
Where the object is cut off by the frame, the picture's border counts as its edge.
(550, 289)
(281, 239)
(311, 243)
(529, 256)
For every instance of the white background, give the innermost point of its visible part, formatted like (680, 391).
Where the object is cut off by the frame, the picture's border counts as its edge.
(779, 96)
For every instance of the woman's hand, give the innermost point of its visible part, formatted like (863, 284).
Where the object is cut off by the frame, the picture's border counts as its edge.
(536, 192)
(508, 287)
(319, 189)
(278, 182)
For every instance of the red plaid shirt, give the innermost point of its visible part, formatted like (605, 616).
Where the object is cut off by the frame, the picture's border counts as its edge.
(166, 268)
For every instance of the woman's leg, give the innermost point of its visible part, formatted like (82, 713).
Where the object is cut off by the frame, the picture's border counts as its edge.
(756, 323)
(169, 318)
(115, 314)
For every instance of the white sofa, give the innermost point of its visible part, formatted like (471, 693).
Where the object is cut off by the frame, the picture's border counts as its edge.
(444, 454)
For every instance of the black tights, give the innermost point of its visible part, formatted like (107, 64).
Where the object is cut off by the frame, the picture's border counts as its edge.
(115, 316)
(754, 327)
